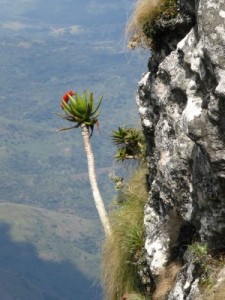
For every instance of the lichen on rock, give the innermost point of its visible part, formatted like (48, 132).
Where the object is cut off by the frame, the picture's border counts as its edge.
(181, 101)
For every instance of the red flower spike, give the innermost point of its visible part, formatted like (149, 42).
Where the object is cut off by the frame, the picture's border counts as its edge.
(66, 97)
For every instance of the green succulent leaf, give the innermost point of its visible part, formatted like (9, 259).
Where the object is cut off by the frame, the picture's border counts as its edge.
(72, 100)
(97, 107)
(81, 103)
(67, 128)
(130, 143)
(96, 115)
(119, 136)
(66, 106)
(76, 113)
(60, 115)
(91, 101)
(121, 154)
(88, 112)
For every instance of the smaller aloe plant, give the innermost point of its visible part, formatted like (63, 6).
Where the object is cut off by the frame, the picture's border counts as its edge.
(130, 143)
(80, 109)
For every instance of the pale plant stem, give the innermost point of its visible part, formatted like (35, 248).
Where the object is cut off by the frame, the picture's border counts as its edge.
(94, 186)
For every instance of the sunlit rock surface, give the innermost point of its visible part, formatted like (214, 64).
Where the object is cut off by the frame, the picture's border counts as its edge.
(181, 102)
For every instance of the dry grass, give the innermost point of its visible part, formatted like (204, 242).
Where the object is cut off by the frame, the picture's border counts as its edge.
(217, 293)
(212, 285)
(145, 12)
(133, 296)
(120, 253)
(166, 281)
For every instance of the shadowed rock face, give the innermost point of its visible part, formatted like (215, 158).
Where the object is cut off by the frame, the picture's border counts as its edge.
(181, 102)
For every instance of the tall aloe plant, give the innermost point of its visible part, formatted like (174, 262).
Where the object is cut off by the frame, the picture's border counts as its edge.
(84, 113)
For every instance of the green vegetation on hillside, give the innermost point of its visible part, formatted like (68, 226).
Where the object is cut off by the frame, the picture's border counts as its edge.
(56, 236)
(52, 252)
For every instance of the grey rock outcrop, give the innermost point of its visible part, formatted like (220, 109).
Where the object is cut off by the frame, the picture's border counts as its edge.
(181, 102)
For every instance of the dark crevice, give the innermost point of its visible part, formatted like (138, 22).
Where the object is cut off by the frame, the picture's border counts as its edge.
(187, 235)
(166, 33)
(179, 96)
(221, 124)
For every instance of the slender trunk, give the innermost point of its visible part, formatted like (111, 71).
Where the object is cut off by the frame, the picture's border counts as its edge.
(94, 186)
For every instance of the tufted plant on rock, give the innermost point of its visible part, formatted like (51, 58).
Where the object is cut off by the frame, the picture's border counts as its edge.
(84, 113)
(141, 29)
(123, 255)
(130, 143)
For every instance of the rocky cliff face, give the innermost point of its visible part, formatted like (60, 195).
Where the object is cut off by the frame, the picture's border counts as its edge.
(181, 101)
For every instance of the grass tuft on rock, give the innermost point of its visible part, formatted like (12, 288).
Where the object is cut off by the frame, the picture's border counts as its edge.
(140, 27)
(123, 251)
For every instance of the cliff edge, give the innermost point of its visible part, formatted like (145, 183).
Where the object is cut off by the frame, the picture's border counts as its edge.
(181, 101)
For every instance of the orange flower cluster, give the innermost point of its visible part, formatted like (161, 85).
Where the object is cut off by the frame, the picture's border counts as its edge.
(66, 97)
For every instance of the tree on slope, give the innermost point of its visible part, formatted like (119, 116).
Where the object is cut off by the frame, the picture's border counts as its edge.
(82, 111)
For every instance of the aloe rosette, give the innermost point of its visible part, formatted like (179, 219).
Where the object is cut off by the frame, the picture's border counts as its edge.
(80, 109)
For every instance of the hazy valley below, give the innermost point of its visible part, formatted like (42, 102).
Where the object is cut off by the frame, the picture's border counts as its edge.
(50, 234)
